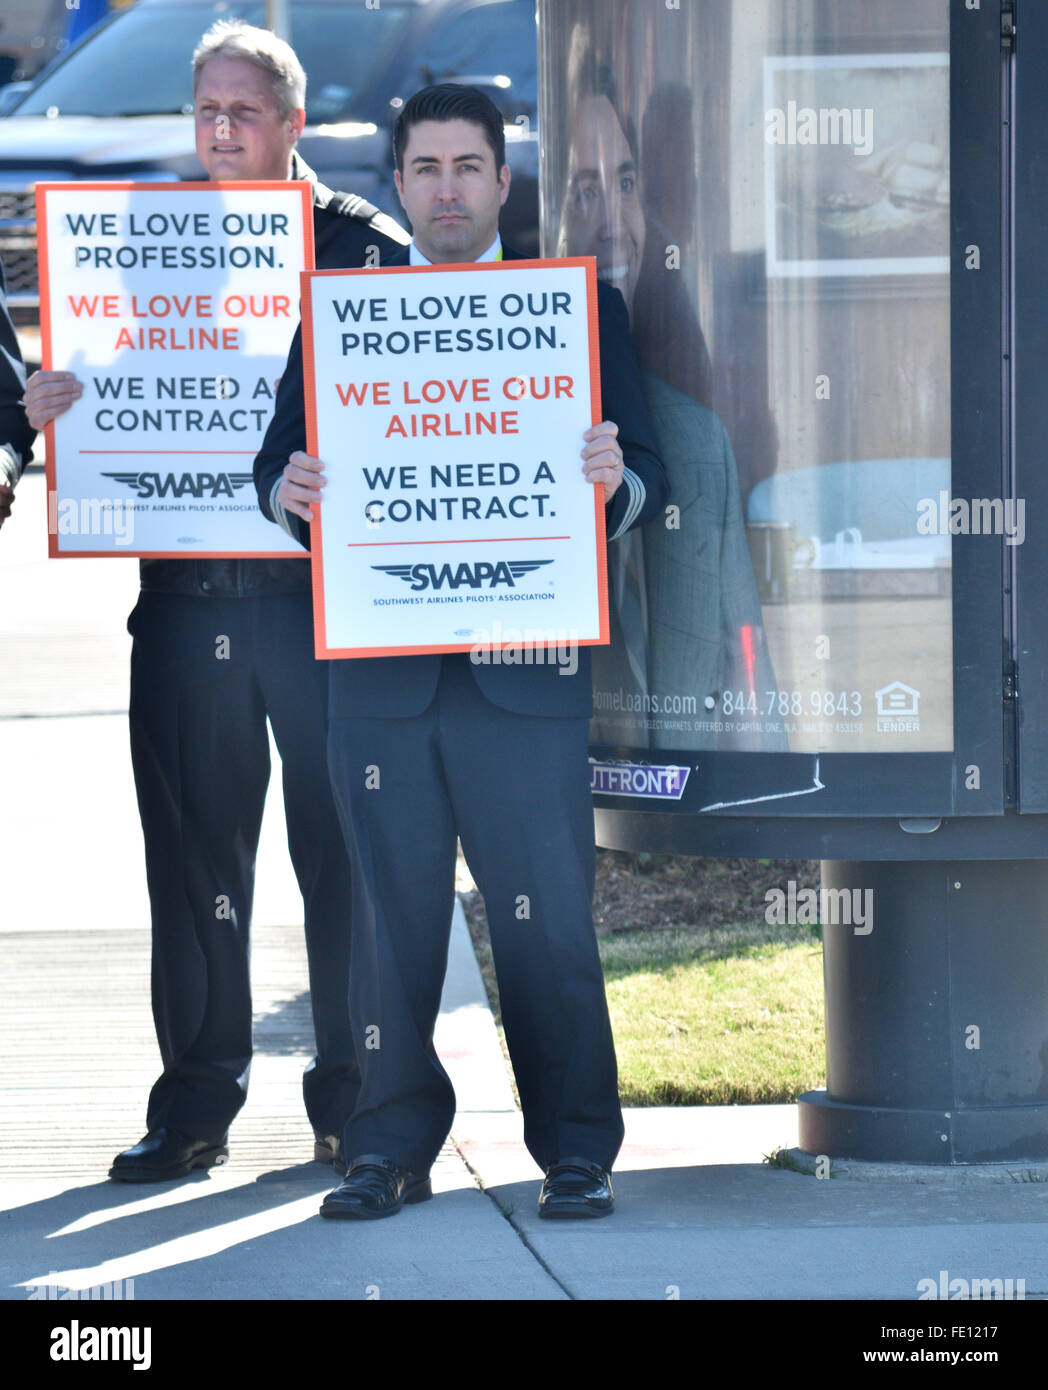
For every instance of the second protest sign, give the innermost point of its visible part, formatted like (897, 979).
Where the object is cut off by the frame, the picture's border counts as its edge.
(175, 305)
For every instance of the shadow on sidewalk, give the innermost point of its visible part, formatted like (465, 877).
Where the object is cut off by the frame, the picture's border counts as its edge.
(262, 1238)
(106, 1223)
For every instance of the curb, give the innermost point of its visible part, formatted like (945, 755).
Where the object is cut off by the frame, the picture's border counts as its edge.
(922, 1174)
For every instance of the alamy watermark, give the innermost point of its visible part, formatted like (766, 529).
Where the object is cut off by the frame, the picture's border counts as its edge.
(982, 516)
(833, 907)
(91, 516)
(119, 1289)
(75, 1342)
(534, 646)
(962, 1289)
(823, 125)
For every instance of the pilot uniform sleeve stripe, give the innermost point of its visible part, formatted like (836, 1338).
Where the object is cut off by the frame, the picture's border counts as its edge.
(637, 496)
(9, 465)
(384, 224)
(277, 508)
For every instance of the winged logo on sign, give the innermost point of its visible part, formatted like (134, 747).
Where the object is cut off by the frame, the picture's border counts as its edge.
(476, 576)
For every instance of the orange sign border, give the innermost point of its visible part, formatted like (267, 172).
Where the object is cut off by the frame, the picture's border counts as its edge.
(589, 265)
(196, 186)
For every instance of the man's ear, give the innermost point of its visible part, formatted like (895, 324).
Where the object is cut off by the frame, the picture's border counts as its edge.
(296, 123)
(399, 185)
(503, 185)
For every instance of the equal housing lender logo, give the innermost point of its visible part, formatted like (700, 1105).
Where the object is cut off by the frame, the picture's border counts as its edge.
(897, 709)
(638, 779)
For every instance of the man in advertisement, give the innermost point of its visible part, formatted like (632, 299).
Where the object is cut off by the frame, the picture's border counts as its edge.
(199, 739)
(491, 753)
(686, 614)
(16, 433)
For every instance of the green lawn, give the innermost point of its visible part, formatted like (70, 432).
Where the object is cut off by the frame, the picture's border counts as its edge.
(716, 1016)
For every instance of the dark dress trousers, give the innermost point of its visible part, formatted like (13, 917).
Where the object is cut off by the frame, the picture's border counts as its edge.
(495, 754)
(219, 646)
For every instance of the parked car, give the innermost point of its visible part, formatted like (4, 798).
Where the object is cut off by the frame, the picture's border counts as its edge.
(118, 105)
(32, 33)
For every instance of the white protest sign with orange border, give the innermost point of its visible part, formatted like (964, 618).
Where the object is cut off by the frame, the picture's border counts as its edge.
(174, 305)
(448, 404)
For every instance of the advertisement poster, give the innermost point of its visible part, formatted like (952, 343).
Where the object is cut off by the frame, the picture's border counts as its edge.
(175, 306)
(448, 406)
(768, 186)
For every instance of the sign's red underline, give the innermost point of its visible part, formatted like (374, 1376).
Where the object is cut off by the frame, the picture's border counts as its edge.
(466, 540)
(252, 452)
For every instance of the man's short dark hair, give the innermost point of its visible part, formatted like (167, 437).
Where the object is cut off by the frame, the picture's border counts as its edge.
(450, 101)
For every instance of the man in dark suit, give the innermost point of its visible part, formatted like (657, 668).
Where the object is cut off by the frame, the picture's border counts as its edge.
(199, 741)
(493, 753)
(16, 433)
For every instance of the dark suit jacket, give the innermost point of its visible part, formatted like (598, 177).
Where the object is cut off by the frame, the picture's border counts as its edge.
(401, 686)
(701, 592)
(16, 433)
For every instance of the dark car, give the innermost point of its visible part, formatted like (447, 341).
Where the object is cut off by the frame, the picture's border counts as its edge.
(118, 105)
(32, 33)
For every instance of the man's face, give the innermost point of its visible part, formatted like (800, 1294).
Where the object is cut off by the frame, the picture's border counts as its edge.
(239, 131)
(605, 218)
(451, 190)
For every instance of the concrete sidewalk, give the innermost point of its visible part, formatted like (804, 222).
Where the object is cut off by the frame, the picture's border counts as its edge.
(699, 1215)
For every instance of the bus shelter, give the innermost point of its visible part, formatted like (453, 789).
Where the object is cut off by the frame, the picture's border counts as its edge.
(825, 218)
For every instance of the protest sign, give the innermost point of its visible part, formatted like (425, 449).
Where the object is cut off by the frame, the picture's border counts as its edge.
(448, 405)
(174, 305)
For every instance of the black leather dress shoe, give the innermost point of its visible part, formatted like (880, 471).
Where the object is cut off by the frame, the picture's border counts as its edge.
(327, 1148)
(576, 1187)
(165, 1154)
(375, 1187)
